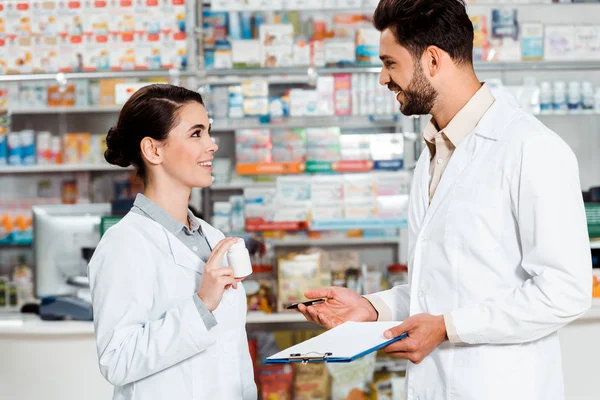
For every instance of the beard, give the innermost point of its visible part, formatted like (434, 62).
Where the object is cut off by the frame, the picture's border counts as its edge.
(419, 96)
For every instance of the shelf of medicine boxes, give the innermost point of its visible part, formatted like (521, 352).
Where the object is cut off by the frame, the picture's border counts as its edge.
(137, 74)
(33, 169)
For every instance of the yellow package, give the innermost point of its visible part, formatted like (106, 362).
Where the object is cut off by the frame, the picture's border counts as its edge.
(311, 382)
(70, 148)
(297, 274)
(85, 148)
(107, 91)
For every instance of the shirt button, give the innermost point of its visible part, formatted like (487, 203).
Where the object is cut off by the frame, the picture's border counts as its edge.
(195, 248)
(440, 161)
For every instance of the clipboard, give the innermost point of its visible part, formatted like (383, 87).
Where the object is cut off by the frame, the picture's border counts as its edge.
(343, 344)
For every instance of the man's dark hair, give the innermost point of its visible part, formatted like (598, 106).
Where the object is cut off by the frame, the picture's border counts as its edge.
(418, 24)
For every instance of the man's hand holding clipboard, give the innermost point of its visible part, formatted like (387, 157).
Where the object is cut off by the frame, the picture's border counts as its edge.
(425, 331)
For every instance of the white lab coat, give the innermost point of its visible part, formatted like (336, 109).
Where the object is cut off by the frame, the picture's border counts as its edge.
(503, 247)
(152, 342)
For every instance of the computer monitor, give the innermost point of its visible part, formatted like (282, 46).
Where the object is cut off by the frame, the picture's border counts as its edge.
(60, 232)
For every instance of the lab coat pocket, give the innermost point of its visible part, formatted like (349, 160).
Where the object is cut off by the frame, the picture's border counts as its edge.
(475, 217)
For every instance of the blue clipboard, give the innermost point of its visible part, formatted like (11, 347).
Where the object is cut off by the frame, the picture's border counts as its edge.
(346, 335)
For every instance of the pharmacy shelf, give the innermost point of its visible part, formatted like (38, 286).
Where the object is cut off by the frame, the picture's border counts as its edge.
(379, 223)
(382, 121)
(61, 168)
(593, 313)
(303, 75)
(538, 65)
(568, 114)
(226, 187)
(97, 75)
(301, 242)
(64, 110)
(367, 8)
(276, 318)
(15, 245)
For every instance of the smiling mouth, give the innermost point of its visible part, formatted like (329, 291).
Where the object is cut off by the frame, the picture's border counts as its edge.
(205, 164)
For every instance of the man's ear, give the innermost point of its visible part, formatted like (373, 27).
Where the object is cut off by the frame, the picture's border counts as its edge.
(151, 151)
(434, 57)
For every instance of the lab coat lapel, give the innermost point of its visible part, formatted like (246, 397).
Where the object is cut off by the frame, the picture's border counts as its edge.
(182, 255)
(424, 182)
(460, 160)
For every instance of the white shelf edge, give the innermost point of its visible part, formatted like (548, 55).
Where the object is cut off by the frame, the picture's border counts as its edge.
(64, 110)
(275, 318)
(99, 75)
(250, 123)
(61, 168)
(334, 242)
(593, 313)
(370, 9)
(231, 74)
(568, 114)
(595, 244)
(305, 122)
(240, 186)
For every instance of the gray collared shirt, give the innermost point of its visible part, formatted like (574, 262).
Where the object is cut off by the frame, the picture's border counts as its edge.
(192, 237)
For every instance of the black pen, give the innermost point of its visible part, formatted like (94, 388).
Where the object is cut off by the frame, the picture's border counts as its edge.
(306, 303)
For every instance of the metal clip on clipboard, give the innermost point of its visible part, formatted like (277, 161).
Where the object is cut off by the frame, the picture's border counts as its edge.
(306, 358)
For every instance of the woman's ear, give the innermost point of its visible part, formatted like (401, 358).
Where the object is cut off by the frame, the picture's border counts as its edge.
(151, 151)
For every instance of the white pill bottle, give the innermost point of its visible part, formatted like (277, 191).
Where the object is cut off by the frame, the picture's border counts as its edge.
(238, 258)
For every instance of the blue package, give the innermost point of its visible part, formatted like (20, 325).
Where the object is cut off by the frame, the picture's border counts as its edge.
(235, 28)
(259, 19)
(215, 27)
(3, 150)
(209, 59)
(14, 148)
(246, 25)
(505, 24)
(28, 147)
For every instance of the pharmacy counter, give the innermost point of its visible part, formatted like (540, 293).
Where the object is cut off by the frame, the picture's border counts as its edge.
(57, 360)
(49, 360)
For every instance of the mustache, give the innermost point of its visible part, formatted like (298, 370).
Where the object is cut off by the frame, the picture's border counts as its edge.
(393, 87)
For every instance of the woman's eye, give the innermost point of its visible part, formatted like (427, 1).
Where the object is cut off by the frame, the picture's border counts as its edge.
(196, 134)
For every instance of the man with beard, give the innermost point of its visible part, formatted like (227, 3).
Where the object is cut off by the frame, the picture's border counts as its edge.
(498, 251)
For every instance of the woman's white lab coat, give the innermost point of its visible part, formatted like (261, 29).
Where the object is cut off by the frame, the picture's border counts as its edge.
(152, 342)
(503, 248)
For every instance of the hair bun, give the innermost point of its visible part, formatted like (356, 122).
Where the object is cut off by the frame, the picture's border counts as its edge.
(114, 153)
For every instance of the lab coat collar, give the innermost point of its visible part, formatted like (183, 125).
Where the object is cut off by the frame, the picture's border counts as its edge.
(170, 244)
(498, 115)
(490, 127)
(185, 257)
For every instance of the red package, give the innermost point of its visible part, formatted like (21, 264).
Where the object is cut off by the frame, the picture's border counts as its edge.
(275, 382)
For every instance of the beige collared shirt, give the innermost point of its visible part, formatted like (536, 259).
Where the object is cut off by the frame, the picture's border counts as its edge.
(441, 144)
